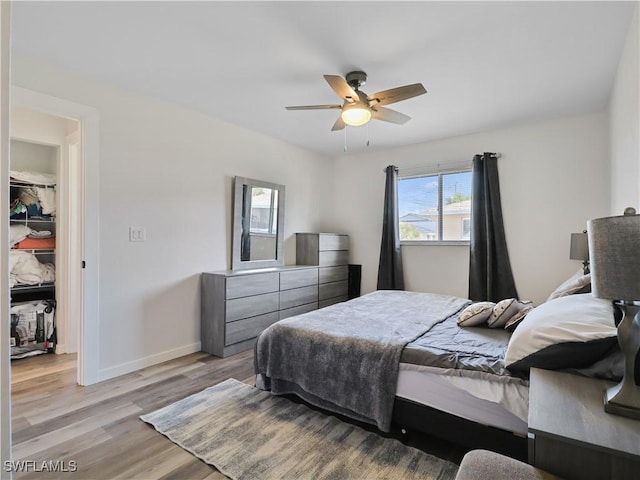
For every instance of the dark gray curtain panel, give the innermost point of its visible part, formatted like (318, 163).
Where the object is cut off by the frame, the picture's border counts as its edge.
(490, 275)
(390, 274)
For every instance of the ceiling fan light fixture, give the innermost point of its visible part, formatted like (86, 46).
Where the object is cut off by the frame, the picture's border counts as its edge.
(355, 115)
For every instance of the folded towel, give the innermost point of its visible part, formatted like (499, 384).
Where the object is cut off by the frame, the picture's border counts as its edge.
(48, 243)
(40, 234)
(47, 197)
(34, 177)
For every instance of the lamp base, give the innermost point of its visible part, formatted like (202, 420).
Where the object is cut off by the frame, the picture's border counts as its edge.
(624, 398)
(618, 409)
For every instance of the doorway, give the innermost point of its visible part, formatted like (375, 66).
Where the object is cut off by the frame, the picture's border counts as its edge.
(44, 226)
(78, 247)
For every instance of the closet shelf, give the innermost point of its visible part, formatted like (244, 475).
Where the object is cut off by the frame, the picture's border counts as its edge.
(24, 288)
(20, 184)
(33, 219)
(35, 251)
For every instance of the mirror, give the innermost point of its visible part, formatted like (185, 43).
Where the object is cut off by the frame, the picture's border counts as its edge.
(258, 224)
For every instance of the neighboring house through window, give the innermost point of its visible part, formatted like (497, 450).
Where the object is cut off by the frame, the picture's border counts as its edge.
(264, 207)
(434, 204)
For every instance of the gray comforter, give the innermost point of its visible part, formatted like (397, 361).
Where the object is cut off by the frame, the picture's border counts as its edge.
(447, 345)
(345, 357)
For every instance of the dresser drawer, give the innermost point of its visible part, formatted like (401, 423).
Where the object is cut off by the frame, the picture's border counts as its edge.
(333, 289)
(333, 257)
(298, 296)
(252, 284)
(248, 328)
(290, 312)
(333, 274)
(331, 301)
(333, 242)
(251, 306)
(298, 278)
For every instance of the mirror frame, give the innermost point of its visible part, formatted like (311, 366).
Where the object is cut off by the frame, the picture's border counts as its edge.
(236, 262)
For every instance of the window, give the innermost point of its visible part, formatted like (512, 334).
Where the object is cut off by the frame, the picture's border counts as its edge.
(435, 207)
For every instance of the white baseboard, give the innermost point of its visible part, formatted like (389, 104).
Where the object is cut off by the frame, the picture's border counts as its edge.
(62, 348)
(128, 367)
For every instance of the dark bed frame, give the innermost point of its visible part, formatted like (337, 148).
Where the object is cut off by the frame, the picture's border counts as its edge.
(411, 416)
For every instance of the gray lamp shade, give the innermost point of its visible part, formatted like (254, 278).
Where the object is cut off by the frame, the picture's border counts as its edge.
(579, 246)
(614, 249)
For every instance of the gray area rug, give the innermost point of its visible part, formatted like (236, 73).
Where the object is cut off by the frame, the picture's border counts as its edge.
(247, 433)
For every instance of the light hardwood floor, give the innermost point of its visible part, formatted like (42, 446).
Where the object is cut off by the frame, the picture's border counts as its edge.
(98, 426)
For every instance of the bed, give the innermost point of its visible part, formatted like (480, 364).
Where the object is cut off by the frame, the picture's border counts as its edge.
(401, 358)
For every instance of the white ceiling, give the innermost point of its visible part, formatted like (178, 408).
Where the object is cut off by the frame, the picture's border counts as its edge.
(485, 65)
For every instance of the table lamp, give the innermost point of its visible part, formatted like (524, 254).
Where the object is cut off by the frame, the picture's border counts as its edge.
(580, 249)
(614, 248)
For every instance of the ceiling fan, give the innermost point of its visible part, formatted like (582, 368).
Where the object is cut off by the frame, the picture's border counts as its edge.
(358, 107)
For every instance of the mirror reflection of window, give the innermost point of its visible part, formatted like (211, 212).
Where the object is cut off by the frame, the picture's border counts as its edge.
(260, 224)
(258, 216)
(264, 211)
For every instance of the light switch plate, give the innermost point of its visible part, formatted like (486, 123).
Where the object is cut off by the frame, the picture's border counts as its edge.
(137, 234)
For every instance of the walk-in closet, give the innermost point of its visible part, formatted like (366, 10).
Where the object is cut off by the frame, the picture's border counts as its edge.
(40, 146)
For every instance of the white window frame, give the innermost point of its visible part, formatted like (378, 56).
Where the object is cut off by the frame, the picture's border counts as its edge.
(438, 170)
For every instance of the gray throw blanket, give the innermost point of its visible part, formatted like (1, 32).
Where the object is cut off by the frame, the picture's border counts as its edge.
(345, 358)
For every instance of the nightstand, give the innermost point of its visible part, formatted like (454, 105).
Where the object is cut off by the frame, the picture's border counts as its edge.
(571, 435)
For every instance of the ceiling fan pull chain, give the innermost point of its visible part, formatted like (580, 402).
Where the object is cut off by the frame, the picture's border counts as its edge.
(345, 138)
(367, 134)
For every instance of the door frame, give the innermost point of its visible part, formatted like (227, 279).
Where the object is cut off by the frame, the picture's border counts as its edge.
(86, 182)
(5, 351)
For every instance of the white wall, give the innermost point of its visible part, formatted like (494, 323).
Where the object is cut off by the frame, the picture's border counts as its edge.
(170, 170)
(553, 177)
(625, 126)
(33, 157)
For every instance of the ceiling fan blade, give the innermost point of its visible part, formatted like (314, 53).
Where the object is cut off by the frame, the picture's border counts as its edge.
(342, 88)
(312, 107)
(339, 125)
(388, 115)
(396, 94)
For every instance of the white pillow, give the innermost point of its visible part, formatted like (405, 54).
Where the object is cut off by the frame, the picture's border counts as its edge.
(505, 310)
(567, 332)
(575, 284)
(475, 314)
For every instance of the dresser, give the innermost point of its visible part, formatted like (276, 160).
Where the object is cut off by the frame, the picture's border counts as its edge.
(330, 252)
(238, 305)
(571, 435)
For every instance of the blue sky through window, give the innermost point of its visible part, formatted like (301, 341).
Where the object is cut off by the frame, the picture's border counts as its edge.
(415, 195)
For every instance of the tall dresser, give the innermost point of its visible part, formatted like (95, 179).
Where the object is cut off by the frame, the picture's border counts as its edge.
(330, 251)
